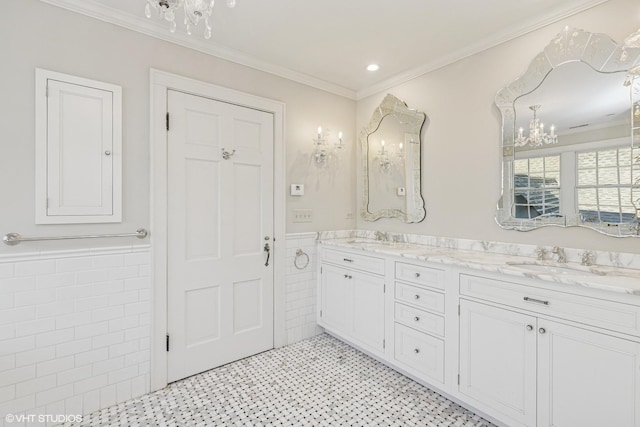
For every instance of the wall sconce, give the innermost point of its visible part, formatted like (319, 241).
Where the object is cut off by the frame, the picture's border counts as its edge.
(385, 161)
(323, 149)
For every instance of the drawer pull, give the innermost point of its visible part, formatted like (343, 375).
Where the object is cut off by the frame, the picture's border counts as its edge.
(538, 301)
(416, 351)
(417, 274)
(417, 319)
(529, 328)
(347, 260)
(416, 296)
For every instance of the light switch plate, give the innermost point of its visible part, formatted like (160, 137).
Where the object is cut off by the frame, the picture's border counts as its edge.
(297, 189)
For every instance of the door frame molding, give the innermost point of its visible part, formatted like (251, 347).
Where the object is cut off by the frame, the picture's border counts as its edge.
(160, 83)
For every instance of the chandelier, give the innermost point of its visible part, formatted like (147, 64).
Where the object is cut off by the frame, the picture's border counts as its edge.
(194, 12)
(537, 135)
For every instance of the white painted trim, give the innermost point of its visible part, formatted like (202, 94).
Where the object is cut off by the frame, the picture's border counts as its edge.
(160, 83)
(73, 253)
(305, 235)
(142, 25)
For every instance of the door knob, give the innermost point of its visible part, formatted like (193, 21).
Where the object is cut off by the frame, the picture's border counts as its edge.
(542, 330)
(529, 328)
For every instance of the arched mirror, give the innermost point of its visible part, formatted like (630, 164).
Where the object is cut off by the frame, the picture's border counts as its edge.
(391, 163)
(569, 157)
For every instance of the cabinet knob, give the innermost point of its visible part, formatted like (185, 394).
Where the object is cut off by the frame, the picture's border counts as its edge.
(542, 330)
(529, 328)
(416, 296)
(107, 153)
(416, 350)
(417, 274)
(417, 319)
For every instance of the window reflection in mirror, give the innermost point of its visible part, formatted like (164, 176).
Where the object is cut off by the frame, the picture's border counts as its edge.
(568, 151)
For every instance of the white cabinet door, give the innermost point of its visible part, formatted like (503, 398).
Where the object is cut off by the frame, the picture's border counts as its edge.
(367, 307)
(335, 297)
(498, 361)
(586, 378)
(352, 306)
(78, 150)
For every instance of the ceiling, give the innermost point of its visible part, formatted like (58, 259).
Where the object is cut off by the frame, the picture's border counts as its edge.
(328, 43)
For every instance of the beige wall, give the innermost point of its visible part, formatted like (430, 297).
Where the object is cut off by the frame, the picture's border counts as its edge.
(35, 34)
(461, 161)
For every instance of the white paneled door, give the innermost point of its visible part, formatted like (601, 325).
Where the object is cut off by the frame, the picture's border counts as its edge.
(220, 221)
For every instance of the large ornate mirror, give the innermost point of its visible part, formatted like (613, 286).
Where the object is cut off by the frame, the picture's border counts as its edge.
(391, 163)
(569, 157)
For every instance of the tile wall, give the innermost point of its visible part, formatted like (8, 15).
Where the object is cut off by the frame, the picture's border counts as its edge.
(74, 330)
(300, 320)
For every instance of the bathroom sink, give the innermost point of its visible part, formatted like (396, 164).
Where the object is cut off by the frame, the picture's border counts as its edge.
(365, 242)
(540, 267)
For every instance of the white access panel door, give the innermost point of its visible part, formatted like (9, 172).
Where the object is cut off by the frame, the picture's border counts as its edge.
(498, 360)
(586, 378)
(78, 150)
(220, 292)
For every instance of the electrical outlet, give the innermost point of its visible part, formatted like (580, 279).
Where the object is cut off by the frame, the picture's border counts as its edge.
(302, 215)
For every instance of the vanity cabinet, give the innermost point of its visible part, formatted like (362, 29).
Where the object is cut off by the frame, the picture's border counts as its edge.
(351, 301)
(524, 351)
(418, 314)
(538, 371)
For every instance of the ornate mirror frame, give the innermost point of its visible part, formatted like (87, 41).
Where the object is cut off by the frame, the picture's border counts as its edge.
(603, 55)
(411, 122)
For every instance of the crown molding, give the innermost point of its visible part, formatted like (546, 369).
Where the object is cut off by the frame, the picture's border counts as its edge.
(139, 24)
(142, 25)
(480, 46)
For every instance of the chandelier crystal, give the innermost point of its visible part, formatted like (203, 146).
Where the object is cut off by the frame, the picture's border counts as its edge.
(537, 136)
(194, 12)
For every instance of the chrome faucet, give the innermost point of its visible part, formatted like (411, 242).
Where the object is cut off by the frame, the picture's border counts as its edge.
(381, 236)
(557, 250)
(588, 258)
(541, 253)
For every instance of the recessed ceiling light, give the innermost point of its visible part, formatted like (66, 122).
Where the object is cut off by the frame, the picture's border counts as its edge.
(373, 67)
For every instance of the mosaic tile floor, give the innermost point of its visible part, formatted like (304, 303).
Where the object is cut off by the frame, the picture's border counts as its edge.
(317, 382)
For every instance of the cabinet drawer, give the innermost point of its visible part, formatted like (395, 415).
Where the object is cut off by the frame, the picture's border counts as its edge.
(361, 262)
(420, 297)
(420, 274)
(611, 315)
(419, 352)
(419, 319)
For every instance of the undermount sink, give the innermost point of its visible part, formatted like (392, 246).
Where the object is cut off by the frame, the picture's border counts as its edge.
(540, 267)
(365, 242)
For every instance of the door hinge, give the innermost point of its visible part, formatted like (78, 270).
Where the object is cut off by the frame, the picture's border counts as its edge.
(384, 343)
(458, 310)
(46, 91)
(320, 313)
(167, 121)
(320, 270)
(458, 379)
(384, 288)
(167, 342)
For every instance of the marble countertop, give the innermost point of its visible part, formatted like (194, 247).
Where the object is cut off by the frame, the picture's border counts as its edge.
(615, 279)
